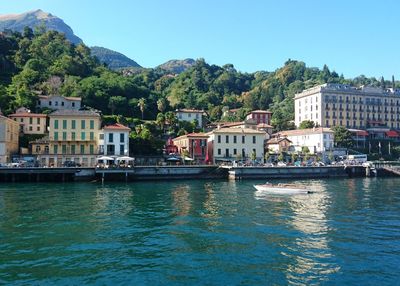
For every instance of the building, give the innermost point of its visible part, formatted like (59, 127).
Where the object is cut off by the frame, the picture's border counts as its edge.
(57, 102)
(190, 115)
(73, 136)
(260, 116)
(331, 105)
(195, 144)
(30, 123)
(248, 123)
(317, 140)
(170, 148)
(229, 144)
(278, 145)
(9, 138)
(114, 140)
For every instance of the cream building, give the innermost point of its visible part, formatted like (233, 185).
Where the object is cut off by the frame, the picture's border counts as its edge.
(57, 102)
(228, 144)
(190, 115)
(9, 132)
(318, 140)
(331, 105)
(73, 136)
(30, 123)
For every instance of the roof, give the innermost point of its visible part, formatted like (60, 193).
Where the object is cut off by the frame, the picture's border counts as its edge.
(188, 110)
(299, 132)
(277, 140)
(238, 131)
(27, 114)
(263, 125)
(116, 126)
(392, 133)
(67, 98)
(260, 111)
(43, 140)
(192, 135)
(72, 112)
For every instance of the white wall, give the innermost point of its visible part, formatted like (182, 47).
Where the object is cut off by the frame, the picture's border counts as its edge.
(116, 142)
(189, 116)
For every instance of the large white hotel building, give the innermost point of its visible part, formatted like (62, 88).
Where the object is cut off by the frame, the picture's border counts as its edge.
(331, 105)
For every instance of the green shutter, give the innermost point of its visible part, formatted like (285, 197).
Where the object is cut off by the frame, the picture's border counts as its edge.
(56, 124)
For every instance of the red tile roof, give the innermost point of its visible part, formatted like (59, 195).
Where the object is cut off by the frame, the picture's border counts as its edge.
(27, 114)
(117, 126)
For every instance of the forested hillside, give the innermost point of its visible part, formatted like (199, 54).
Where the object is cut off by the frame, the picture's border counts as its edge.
(40, 62)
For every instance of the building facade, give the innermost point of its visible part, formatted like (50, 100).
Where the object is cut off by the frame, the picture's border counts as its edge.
(190, 115)
(260, 116)
(229, 144)
(57, 102)
(30, 123)
(195, 144)
(114, 140)
(317, 140)
(331, 105)
(73, 136)
(9, 138)
(278, 145)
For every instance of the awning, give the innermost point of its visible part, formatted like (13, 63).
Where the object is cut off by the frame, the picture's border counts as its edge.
(125, 158)
(361, 133)
(392, 133)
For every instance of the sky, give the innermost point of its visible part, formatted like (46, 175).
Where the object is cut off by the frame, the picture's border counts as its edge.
(351, 37)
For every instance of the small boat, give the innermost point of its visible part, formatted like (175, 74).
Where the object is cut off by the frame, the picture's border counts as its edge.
(282, 189)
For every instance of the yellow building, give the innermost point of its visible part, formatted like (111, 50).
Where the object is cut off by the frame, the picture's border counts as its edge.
(73, 136)
(9, 132)
(331, 105)
(30, 123)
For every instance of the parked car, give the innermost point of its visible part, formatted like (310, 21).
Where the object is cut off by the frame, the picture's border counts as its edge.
(71, 164)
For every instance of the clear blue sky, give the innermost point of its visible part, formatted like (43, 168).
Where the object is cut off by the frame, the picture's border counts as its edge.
(351, 37)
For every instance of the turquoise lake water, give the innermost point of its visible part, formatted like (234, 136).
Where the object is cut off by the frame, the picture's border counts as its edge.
(200, 233)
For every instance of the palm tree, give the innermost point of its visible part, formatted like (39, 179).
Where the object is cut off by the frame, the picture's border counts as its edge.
(161, 120)
(142, 105)
(161, 104)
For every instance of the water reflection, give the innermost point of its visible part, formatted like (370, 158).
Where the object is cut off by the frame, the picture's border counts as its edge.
(313, 255)
(181, 201)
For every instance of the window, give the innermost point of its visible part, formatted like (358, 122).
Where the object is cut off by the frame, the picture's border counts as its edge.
(243, 139)
(38, 128)
(219, 138)
(121, 149)
(101, 136)
(73, 124)
(30, 128)
(189, 115)
(56, 136)
(83, 124)
(62, 103)
(83, 136)
(30, 120)
(91, 135)
(91, 149)
(50, 102)
(38, 120)
(64, 124)
(56, 103)
(73, 104)
(111, 137)
(82, 149)
(46, 149)
(254, 139)
(227, 152)
(234, 139)
(234, 151)
(91, 124)
(219, 151)
(227, 139)
(55, 149)
(37, 149)
(73, 135)
(122, 137)
(56, 124)
(64, 135)
(64, 149)
(72, 149)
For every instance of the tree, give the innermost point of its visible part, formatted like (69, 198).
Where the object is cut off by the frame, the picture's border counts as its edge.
(142, 105)
(306, 124)
(161, 104)
(161, 120)
(281, 157)
(267, 156)
(253, 156)
(343, 137)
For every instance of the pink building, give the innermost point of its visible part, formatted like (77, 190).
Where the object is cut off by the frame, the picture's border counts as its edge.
(194, 143)
(260, 116)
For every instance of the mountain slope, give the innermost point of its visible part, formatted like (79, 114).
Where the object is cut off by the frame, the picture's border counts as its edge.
(113, 59)
(177, 66)
(36, 18)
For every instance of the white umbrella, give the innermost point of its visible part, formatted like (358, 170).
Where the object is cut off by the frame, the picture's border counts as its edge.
(188, 159)
(125, 158)
(105, 158)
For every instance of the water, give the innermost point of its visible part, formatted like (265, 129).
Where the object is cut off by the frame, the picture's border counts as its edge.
(200, 233)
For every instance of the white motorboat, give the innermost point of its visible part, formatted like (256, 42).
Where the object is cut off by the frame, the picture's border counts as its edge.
(282, 189)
